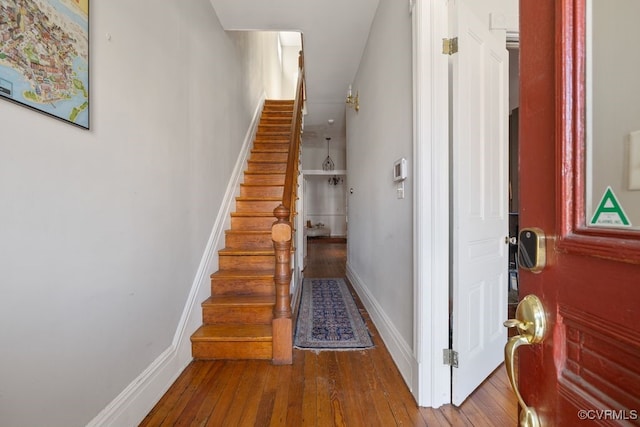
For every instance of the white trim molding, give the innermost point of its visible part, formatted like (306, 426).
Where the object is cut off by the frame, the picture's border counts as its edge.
(432, 386)
(138, 398)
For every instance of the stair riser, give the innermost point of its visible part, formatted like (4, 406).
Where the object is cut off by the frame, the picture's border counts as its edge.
(275, 110)
(264, 178)
(261, 190)
(252, 223)
(273, 135)
(248, 241)
(276, 117)
(267, 142)
(269, 157)
(270, 145)
(237, 262)
(281, 121)
(274, 127)
(278, 108)
(272, 138)
(256, 205)
(271, 142)
(232, 350)
(259, 167)
(234, 315)
(242, 286)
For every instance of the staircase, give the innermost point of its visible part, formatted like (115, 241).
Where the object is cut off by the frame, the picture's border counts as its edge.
(237, 318)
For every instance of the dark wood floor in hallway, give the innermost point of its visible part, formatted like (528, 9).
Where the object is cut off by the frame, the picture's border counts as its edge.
(341, 388)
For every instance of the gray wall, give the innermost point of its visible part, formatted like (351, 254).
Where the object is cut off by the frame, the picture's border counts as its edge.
(615, 106)
(102, 231)
(380, 238)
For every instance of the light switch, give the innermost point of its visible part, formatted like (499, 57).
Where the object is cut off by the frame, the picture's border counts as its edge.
(400, 190)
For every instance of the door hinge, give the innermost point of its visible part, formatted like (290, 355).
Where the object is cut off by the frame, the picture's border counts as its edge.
(450, 357)
(450, 46)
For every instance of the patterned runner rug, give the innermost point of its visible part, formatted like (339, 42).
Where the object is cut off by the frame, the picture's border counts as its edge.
(328, 318)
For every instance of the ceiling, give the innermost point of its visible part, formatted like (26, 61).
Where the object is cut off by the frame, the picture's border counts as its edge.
(335, 34)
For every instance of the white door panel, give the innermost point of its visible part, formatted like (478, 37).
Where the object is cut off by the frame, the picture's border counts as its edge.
(480, 197)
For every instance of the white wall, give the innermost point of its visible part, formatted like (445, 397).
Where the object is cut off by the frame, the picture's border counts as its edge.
(290, 56)
(380, 225)
(325, 203)
(272, 79)
(102, 231)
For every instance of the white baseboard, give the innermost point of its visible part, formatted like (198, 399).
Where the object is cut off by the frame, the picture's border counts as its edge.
(131, 406)
(400, 351)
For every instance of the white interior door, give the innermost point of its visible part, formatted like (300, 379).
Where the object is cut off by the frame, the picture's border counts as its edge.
(480, 201)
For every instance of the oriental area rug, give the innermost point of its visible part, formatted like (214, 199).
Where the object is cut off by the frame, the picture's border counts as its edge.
(328, 318)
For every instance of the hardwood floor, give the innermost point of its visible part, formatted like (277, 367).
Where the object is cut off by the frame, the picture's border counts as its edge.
(342, 388)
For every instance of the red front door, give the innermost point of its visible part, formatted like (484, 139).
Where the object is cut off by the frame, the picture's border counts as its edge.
(587, 368)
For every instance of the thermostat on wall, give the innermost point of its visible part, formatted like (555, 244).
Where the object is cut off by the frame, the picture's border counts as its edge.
(400, 169)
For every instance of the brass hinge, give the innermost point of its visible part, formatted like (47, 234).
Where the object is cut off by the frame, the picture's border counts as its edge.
(450, 357)
(450, 46)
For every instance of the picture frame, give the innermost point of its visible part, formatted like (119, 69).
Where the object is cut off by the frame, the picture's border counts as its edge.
(44, 57)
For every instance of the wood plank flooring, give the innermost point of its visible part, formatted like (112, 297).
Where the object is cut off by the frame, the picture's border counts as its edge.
(348, 388)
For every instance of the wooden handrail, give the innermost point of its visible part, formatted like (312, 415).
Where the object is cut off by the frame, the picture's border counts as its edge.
(291, 176)
(281, 234)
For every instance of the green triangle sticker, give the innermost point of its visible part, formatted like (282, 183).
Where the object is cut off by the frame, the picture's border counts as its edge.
(609, 212)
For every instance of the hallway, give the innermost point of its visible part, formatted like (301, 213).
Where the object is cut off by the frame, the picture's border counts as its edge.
(348, 388)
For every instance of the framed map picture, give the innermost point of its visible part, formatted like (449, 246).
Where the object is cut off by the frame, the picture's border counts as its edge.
(44, 57)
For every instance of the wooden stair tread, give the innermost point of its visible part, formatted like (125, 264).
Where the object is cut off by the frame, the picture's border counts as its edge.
(240, 300)
(263, 173)
(282, 149)
(275, 121)
(249, 232)
(244, 273)
(277, 112)
(266, 198)
(248, 252)
(253, 214)
(272, 145)
(261, 184)
(266, 139)
(233, 332)
(260, 161)
(257, 184)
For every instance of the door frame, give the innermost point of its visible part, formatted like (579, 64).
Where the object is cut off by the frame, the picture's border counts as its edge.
(431, 378)
(431, 384)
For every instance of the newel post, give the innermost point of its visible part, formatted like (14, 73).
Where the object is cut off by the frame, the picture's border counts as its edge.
(281, 324)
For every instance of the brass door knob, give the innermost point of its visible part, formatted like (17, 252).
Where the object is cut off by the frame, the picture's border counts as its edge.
(531, 322)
